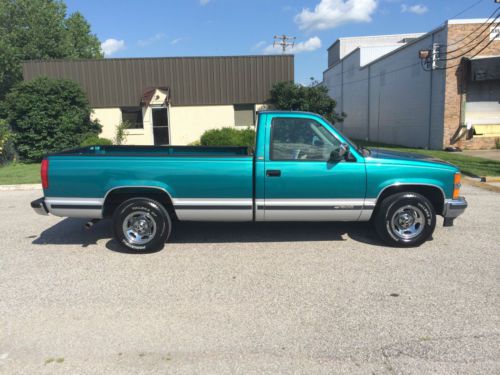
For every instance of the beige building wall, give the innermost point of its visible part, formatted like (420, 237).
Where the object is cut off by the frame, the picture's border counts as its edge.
(186, 124)
(110, 118)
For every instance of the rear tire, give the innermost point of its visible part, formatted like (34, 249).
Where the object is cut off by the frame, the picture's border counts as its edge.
(405, 220)
(141, 225)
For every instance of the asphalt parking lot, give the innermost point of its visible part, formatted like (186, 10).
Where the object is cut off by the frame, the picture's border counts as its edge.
(242, 298)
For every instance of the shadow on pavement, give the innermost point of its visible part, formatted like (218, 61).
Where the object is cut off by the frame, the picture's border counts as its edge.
(72, 232)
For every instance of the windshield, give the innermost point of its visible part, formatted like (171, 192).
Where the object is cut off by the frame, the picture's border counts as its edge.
(348, 140)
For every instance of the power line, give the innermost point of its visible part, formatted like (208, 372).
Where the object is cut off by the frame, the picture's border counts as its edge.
(471, 57)
(468, 8)
(470, 50)
(486, 23)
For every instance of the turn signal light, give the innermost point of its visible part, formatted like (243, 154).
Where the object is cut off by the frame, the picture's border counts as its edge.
(44, 173)
(457, 185)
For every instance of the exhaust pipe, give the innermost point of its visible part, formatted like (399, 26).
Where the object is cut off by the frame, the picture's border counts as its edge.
(90, 224)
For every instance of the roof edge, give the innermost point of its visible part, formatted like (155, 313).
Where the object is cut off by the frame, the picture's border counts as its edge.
(156, 58)
(467, 20)
(373, 36)
(423, 36)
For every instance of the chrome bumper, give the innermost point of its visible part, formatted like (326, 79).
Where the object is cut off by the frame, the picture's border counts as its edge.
(452, 209)
(39, 206)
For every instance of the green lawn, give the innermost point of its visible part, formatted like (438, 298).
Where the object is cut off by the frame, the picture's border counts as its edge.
(18, 173)
(469, 165)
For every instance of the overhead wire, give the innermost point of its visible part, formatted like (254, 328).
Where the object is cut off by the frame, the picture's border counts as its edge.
(486, 23)
(466, 9)
(471, 57)
(468, 51)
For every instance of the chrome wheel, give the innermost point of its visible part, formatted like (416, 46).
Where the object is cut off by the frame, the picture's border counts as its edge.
(139, 227)
(408, 222)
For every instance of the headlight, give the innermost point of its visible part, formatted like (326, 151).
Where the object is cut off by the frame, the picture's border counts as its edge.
(457, 185)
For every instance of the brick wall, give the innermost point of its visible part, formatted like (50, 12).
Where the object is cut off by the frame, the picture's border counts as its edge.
(454, 82)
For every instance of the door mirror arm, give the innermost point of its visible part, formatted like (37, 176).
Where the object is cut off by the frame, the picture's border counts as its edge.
(342, 154)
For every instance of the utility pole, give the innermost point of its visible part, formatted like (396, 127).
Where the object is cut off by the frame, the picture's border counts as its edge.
(284, 41)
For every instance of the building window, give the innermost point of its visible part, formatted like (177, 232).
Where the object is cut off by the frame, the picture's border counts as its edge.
(133, 115)
(244, 114)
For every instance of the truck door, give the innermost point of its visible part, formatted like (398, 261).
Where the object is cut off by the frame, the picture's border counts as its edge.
(300, 180)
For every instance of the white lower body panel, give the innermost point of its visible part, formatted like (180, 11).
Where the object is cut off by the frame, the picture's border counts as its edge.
(192, 209)
(234, 209)
(205, 209)
(89, 208)
(313, 209)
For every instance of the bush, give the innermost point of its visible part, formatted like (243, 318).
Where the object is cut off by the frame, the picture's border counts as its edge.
(229, 137)
(120, 132)
(94, 140)
(6, 148)
(48, 115)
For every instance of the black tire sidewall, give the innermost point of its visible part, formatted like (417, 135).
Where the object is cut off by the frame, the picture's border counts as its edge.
(157, 212)
(391, 204)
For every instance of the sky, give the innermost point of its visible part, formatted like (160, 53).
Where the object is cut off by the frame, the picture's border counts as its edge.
(154, 28)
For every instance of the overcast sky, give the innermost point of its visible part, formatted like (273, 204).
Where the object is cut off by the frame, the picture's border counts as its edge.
(129, 28)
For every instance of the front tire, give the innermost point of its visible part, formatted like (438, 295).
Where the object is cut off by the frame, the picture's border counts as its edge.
(405, 220)
(141, 225)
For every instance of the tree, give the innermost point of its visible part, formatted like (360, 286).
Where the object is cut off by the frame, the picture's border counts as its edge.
(82, 43)
(48, 115)
(314, 98)
(39, 29)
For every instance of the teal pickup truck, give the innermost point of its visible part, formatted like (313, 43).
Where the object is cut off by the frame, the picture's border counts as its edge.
(303, 169)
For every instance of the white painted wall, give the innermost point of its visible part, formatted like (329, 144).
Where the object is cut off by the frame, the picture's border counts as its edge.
(110, 118)
(395, 104)
(186, 124)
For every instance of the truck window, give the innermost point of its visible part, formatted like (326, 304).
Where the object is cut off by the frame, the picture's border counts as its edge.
(301, 139)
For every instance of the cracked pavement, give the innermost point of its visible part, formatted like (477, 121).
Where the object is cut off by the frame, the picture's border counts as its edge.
(244, 298)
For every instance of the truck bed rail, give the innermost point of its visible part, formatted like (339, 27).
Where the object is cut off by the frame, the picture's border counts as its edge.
(198, 151)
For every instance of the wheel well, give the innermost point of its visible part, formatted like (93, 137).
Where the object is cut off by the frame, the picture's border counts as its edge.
(432, 193)
(118, 196)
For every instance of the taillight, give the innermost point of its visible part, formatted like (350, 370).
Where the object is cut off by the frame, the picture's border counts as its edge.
(457, 185)
(44, 173)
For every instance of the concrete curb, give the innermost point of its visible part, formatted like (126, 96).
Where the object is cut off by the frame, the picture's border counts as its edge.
(477, 183)
(21, 187)
(490, 179)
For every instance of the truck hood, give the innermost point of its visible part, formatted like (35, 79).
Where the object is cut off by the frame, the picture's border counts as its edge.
(402, 157)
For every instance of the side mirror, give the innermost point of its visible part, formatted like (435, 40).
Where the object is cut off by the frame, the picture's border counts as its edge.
(341, 154)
